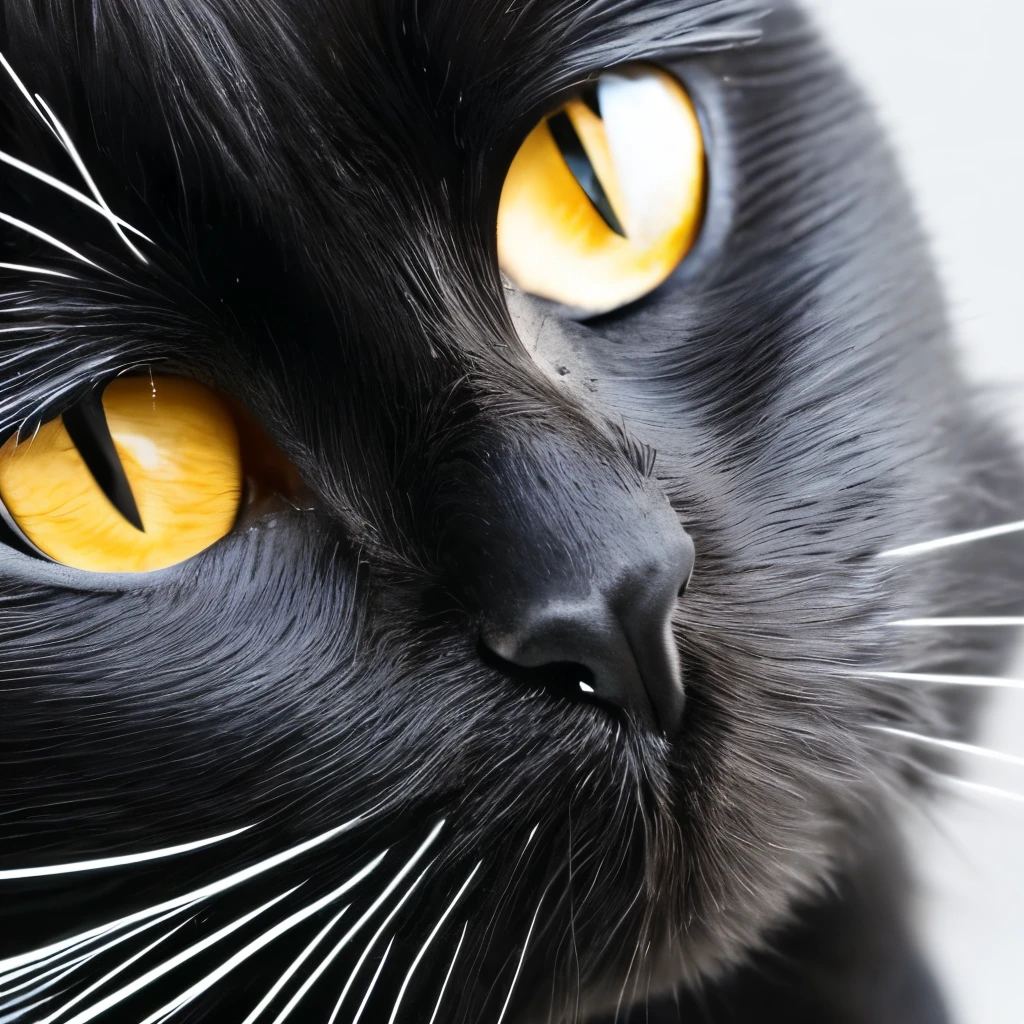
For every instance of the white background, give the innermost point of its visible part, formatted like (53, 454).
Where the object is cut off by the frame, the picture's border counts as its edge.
(946, 77)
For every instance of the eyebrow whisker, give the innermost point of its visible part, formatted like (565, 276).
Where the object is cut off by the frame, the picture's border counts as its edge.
(49, 239)
(72, 151)
(68, 190)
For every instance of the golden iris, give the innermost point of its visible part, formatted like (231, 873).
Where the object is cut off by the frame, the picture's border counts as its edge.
(179, 447)
(606, 195)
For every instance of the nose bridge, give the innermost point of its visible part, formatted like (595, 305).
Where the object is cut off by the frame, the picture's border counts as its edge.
(568, 556)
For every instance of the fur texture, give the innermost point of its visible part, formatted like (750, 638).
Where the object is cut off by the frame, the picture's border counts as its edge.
(320, 182)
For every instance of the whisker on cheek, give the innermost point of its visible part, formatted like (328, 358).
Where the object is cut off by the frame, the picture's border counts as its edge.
(110, 975)
(167, 966)
(447, 977)
(954, 540)
(354, 930)
(69, 968)
(373, 941)
(938, 679)
(126, 860)
(430, 938)
(373, 982)
(993, 622)
(955, 746)
(293, 968)
(259, 943)
(206, 892)
(522, 958)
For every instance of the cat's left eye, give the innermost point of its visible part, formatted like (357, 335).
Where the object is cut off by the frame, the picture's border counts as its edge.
(606, 195)
(140, 477)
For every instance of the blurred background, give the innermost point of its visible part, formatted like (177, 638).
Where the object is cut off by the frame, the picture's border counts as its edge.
(946, 79)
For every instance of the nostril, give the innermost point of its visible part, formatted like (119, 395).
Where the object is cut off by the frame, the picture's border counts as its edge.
(564, 679)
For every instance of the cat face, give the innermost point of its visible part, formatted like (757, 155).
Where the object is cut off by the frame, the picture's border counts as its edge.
(493, 498)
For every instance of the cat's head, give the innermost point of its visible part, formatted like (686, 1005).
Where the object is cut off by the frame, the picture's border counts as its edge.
(575, 615)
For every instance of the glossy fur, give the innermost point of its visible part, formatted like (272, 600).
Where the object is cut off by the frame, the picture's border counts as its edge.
(320, 181)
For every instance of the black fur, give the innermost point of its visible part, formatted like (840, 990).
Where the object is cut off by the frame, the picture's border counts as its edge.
(320, 179)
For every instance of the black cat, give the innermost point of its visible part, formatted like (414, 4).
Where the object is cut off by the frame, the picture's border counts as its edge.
(563, 657)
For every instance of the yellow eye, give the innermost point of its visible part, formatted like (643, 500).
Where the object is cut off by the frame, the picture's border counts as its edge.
(606, 196)
(174, 468)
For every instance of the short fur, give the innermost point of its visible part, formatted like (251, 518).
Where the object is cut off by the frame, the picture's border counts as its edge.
(320, 181)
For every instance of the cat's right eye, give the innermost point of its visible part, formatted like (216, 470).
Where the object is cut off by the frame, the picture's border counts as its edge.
(140, 478)
(606, 195)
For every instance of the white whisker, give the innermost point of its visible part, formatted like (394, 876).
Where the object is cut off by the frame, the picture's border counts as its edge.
(110, 975)
(213, 889)
(953, 745)
(946, 680)
(979, 787)
(49, 239)
(19, 1014)
(373, 982)
(373, 941)
(953, 540)
(293, 967)
(68, 966)
(522, 958)
(167, 966)
(23, 90)
(72, 152)
(430, 938)
(353, 931)
(257, 944)
(447, 977)
(26, 269)
(73, 193)
(995, 622)
(116, 862)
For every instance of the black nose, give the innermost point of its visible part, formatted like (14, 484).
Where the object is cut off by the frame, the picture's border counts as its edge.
(621, 632)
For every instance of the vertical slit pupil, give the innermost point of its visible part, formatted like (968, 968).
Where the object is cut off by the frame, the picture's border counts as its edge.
(578, 161)
(86, 424)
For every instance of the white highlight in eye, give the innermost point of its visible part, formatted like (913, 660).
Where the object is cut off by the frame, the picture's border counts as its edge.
(348, 936)
(652, 155)
(116, 862)
(257, 944)
(952, 541)
(430, 938)
(205, 892)
(585, 687)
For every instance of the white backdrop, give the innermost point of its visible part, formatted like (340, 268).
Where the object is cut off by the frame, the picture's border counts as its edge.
(946, 77)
